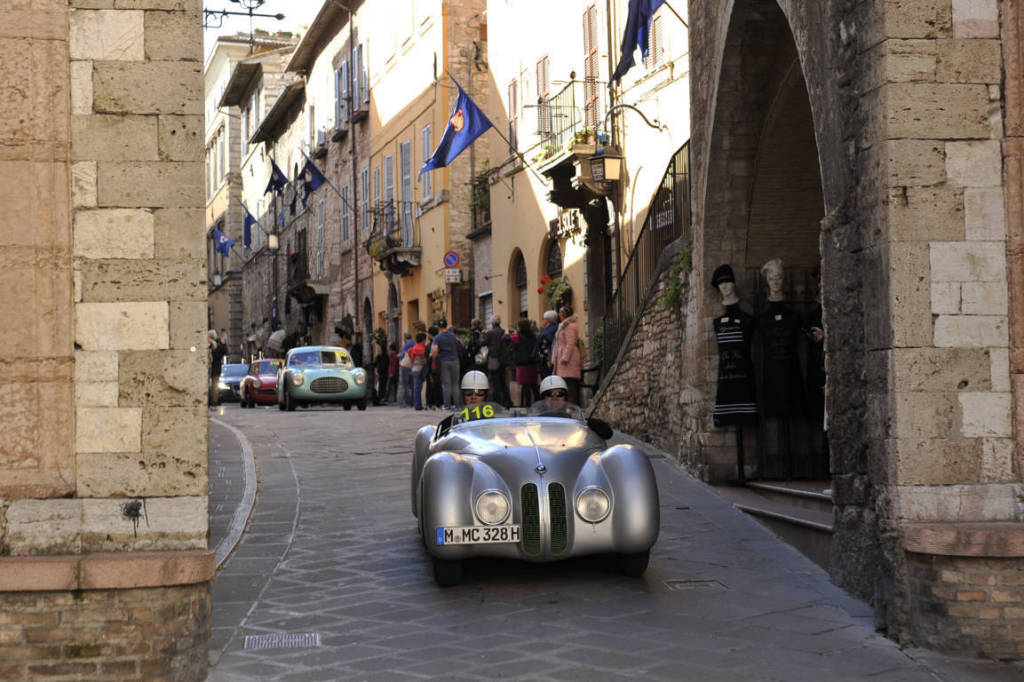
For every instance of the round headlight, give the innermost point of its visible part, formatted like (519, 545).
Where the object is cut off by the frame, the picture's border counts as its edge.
(593, 504)
(359, 377)
(222, 386)
(297, 379)
(492, 507)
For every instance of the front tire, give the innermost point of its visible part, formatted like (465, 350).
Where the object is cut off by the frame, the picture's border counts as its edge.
(347, 406)
(289, 402)
(361, 404)
(634, 565)
(447, 573)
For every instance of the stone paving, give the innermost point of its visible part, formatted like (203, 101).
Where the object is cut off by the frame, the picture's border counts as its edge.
(331, 548)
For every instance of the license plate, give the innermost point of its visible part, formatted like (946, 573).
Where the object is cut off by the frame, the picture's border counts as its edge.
(477, 535)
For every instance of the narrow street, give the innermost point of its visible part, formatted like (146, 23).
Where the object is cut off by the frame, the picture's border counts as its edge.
(329, 581)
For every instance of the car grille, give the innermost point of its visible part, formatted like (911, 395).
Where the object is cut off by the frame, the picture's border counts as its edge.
(559, 522)
(531, 519)
(328, 385)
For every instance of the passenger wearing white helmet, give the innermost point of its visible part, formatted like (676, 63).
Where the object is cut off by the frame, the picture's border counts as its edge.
(554, 391)
(474, 387)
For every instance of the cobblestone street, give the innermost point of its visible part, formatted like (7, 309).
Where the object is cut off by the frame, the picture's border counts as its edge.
(331, 558)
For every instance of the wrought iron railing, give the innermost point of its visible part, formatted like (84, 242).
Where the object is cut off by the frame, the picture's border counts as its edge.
(667, 220)
(394, 222)
(562, 115)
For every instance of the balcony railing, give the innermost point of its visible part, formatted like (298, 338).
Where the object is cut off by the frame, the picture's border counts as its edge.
(667, 220)
(575, 108)
(392, 241)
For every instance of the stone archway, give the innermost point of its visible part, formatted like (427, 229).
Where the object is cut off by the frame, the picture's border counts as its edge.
(764, 200)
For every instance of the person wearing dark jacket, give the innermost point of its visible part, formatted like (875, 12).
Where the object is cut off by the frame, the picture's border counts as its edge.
(495, 340)
(524, 343)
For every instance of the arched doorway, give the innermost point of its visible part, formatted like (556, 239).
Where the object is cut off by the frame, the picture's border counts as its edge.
(394, 315)
(764, 201)
(518, 294)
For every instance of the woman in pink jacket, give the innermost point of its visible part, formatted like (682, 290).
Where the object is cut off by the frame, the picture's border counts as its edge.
(567, 352)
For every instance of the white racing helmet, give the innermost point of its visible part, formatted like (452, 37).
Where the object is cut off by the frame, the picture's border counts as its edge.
(552, 382)
(474, 380)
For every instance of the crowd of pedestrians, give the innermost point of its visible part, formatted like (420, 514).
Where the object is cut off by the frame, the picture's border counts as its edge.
(423, 369)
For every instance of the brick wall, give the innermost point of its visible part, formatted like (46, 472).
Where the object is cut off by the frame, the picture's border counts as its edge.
(139, 634)
(979, 604)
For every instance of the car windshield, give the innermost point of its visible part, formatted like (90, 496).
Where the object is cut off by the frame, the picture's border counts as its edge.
(229, 371)
(555, 407)
(319, 358)
(267, 366)
(472, 413)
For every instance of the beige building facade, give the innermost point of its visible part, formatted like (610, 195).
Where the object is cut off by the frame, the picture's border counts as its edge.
(103, 461)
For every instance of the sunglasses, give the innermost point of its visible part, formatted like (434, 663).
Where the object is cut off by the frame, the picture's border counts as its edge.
(556, 394)
(479, 393)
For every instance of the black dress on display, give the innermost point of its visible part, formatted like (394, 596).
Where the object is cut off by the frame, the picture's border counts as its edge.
(782, 388)
(736, 399)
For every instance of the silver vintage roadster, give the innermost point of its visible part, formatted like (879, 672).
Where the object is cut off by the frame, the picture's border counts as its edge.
(536, 484)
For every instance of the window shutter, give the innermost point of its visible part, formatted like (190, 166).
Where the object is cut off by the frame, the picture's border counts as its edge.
(344, 92)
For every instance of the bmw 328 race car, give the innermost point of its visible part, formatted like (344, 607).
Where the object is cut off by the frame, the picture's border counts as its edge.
(538, 485)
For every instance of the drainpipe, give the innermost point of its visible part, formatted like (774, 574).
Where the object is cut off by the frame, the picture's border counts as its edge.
(355, 172)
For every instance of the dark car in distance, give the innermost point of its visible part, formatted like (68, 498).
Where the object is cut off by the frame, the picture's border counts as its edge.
(231, 376)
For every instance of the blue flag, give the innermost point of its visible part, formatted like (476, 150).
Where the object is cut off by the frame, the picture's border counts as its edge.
(247, 227)
(465, 124)
(224, 242)
(637, 34)
(277, 179)
(312, 178)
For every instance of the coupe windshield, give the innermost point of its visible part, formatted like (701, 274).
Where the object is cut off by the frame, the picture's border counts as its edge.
(267, 366)
(320, 358)
(233, 371)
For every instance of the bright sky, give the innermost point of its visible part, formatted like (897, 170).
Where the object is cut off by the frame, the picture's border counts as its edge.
(297, 15)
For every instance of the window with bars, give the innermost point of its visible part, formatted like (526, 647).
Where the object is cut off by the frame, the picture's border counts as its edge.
(655, 44)
(513, 116)
(591, 67)
(554, 260)
(519, 277)
(427, 145)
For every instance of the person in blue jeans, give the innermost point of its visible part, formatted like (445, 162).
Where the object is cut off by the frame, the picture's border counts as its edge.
(418, 353)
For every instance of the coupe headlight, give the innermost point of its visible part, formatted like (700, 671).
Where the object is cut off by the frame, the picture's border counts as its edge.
(297, 379)
(222, 386)
(359, 377)
(492, 507)
(593, 505)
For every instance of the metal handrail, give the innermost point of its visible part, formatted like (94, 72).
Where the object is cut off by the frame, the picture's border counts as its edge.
(667, 220)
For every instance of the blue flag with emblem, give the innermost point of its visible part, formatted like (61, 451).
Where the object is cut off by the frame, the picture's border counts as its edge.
(312, 178)
(465, 124)
(277, 179)
(247, 226)
(224, 242)
(637, 34)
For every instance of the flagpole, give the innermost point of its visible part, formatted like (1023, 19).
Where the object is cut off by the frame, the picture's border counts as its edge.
(672, 9)
(519, 155)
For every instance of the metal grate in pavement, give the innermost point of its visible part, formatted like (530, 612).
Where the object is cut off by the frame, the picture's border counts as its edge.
(302, 640)
(681, 585)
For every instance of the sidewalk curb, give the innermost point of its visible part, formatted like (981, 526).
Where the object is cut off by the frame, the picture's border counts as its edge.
(244, 509)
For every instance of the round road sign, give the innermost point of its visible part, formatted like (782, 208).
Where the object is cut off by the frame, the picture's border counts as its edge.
(451, 260)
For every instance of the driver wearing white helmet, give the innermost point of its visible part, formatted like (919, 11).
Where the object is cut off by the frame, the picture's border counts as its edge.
(474, 387)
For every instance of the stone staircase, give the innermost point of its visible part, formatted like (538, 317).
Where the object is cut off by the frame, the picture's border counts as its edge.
(797, 512)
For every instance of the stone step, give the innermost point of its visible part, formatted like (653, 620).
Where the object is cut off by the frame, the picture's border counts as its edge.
(807, 528)
(804, 494)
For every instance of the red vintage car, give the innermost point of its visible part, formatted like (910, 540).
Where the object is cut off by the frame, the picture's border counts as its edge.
(260, 384)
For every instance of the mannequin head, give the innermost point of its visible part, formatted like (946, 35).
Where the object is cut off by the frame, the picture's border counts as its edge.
(724, 279)
(773, 277)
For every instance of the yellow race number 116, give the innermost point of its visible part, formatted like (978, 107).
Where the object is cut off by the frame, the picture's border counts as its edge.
(478, 412)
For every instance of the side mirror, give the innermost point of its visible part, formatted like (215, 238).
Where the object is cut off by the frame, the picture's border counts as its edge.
(600, 427)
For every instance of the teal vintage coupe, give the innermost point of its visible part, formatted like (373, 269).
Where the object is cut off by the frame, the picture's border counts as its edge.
(320, 374)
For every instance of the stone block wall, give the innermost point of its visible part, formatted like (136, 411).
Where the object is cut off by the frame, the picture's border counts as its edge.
(641, 395)
(104, 446)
